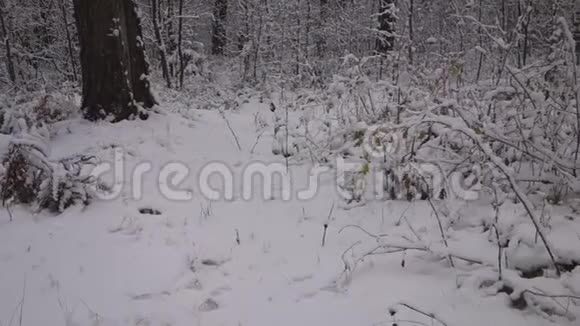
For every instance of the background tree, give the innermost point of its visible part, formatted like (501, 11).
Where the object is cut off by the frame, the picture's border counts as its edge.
(292, 38)
(155, 15)
(577, 29)
(386, 39)
(9, 62)
(219, 40)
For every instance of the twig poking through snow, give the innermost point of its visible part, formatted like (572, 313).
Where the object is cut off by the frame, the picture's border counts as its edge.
(257, 141)
(413, 230)
(231, 130)
(441, 230)
(22, 302)
(96, 316)
(376, 236)
(9, 213)
(431, 315)
(326, 225)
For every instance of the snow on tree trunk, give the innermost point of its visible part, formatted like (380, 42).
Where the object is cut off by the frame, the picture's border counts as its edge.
(114, 68)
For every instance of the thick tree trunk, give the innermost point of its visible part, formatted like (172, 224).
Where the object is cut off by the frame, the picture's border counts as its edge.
(387, 20)
(220, 12)
(113, 62)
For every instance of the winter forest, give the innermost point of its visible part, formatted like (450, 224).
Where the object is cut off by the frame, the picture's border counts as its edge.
(290, 162)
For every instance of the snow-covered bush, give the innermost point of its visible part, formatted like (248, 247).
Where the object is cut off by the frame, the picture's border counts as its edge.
(27, 175)
(20, 179)
(517, 136)
(54, 108)
(67, 185)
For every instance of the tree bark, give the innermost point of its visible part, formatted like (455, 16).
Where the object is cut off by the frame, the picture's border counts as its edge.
(220, 13)
(114, 69)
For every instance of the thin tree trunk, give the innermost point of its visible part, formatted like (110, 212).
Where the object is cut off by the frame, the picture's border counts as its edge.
(307, 31)
(180, 45)
(321, 42)
(160, 44)
(172, 44)
(387, 20)
(297, 39)
(577, 29)
(575, 74)
(411, 32)
(69, 41)
(220, 12)
(243, 35)
(480, 32)
(257, 41)
(526, 34)
(9, 62)
(503, 16)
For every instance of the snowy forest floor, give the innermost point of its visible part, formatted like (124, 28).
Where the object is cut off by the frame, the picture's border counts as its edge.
(242, 263)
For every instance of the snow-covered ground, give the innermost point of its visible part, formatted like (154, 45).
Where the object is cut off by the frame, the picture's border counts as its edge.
(227, 262)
